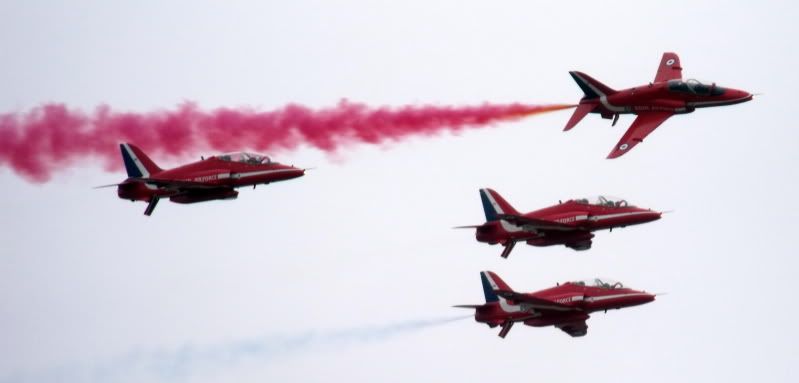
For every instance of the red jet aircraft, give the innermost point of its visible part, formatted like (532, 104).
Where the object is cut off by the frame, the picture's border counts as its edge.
(654, 103)
(566, 306)
(568, 223)
(210, 179)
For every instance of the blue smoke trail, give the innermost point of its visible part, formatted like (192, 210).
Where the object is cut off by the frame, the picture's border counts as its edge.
(188, 359)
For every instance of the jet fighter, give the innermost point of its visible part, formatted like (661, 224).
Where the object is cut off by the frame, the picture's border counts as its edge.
(569, 223)
(566, 306)
(213, 178)
(654, 103)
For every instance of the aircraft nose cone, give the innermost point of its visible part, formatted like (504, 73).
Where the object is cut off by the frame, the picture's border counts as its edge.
(644, 298)
(293, 172)
(746, 96)
(650, 216)
(740, 95)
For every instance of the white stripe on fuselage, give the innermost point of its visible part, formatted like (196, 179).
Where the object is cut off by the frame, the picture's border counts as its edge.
(259, 173)
(222, 176)
(617, 215)
(702, 104)
(509, 227)
(606, 297)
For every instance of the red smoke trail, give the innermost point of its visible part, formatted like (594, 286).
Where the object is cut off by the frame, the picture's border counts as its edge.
(52, 137)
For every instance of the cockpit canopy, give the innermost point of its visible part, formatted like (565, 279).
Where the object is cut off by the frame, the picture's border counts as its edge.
(696, 87)
(247, 158)
(603, 200)
(604, 283)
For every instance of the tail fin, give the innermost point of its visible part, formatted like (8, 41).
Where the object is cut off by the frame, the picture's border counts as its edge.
(591, 87)
(137, 163)
(489, 280)
(494, 204)
(491, 284)
(494, 282)
(488, 289)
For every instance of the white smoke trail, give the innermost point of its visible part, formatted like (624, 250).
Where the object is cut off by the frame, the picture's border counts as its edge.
(187, 360)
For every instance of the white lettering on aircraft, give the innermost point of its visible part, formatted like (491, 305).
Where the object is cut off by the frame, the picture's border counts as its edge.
(569, 299)
(654, 108)
(212, 177)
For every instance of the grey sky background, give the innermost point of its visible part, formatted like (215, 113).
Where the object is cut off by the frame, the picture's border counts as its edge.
(365, 240)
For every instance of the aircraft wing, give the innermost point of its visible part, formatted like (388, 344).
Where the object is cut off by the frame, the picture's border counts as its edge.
(533, 301)
(534, 222)
(575, 329)
(669, 68)
(646, 123)
(177, 184)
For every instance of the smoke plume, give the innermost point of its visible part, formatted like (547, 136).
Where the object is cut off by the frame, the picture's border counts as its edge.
(37, 143)
(192, 360)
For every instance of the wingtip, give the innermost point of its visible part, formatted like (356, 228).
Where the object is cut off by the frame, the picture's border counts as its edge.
(619, 151)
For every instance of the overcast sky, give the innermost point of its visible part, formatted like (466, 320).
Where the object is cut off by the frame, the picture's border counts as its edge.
(362, 247)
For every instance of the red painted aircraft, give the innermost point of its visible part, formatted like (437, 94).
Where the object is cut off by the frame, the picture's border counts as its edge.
(210, 179)
(568, 223)
(653, 103)
(566, 306)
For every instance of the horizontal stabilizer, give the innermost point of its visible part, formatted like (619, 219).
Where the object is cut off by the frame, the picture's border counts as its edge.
(464, 227)
(578, 115)
(107, 186)
(468, 306)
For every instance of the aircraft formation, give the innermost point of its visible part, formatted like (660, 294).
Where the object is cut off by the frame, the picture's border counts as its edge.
(572, 223)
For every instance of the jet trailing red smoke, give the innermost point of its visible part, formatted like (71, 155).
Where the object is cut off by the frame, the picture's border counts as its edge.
(52, 137)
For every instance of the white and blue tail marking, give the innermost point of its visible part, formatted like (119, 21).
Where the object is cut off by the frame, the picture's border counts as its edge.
(592, 88)
(494, 205)
(137, 164)
(488, 289)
